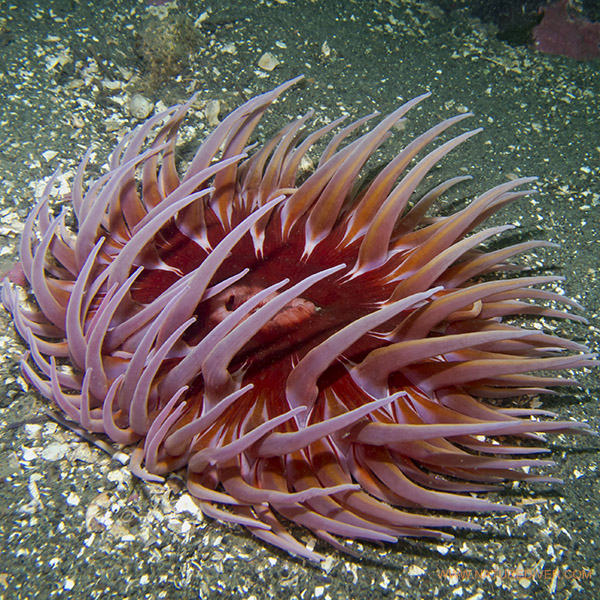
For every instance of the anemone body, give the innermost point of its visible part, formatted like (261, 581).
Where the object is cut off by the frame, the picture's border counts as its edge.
(320, 351)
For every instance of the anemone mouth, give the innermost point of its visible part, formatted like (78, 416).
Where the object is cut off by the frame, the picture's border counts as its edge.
(308, 348)
(296, 312)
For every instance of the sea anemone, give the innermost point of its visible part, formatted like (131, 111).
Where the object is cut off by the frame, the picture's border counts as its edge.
(314, 348)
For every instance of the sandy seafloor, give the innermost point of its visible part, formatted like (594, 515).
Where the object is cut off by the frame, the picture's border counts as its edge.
(74, 524)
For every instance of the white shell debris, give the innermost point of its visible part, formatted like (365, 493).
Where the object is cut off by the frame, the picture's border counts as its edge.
(187, 504)
(96, 518)
(77, 121)
(203, 17)
(59, 60)
(140, 107)
(49, 155)
(161, 11)
(29, 454)
(73, 499)
(55, 451)
(34, 492)
(68, 584)
(211, 110)
(32, 431)
(122, 477)
(83, 453)
(415, 571)
(229, 48)
(267, 62)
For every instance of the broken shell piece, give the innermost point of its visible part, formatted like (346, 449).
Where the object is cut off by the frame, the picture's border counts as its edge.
(229, 48)
(77, 121)
(268, 62)
(211, 111)
(97, 514)
(49, 155)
